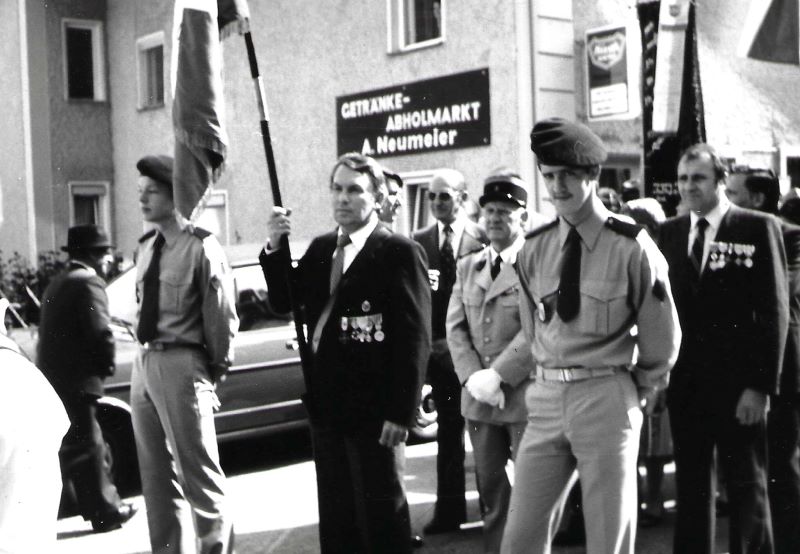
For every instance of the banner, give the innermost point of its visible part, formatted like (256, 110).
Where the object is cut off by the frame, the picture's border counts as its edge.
(662, 149)
(607, 72)
(423, 116)
(198, 106)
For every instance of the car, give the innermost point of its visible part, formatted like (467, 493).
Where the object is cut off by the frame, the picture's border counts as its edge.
(261, 394)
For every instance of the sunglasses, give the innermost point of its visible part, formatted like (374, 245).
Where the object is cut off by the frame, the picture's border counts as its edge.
(443, 196)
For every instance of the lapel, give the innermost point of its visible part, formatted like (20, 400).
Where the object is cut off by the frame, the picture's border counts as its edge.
(483, 277)
(506, 279)
(470, 240)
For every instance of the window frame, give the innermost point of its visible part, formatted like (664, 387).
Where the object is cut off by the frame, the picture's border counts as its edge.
(99, 189)
(143, 45)
(396, 23)
(98, 57)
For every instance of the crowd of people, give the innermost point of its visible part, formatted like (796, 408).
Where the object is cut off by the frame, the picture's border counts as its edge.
(579, 349)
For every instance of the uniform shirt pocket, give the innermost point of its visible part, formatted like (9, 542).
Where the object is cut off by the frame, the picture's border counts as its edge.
(174, 291)
(603, 306)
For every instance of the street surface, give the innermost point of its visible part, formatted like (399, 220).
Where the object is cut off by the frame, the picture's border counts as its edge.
(272, 493)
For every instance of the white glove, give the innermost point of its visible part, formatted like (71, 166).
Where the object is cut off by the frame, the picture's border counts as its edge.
(484, 386)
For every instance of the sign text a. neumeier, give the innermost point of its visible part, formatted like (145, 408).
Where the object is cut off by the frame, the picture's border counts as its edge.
(423, 116)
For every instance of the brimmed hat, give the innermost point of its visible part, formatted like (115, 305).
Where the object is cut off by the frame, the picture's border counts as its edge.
(158, 168)
(86, 237)
(505, 186)
(556, 141)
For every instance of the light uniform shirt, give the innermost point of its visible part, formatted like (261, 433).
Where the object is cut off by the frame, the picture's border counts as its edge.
(624, 283)
(196, 292)
(458, 231)
(714, 218)
(357, 241)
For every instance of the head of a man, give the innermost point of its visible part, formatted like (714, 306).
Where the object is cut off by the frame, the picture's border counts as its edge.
(358, 188)
(569, 156)
(700, 173)
(504, 200)
(446, 194)
(155, 189)
(90, 245)
(757, 189)
(393, 200)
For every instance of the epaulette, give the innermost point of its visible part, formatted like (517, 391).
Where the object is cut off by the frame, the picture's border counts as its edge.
(200, 233)
(541, 229)
(147, 235)
(630, 230)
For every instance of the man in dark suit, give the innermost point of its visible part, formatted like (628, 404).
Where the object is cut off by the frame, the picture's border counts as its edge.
(451, 237)
(76, 353)
(759, 189)
(728, 272)
(365, 294)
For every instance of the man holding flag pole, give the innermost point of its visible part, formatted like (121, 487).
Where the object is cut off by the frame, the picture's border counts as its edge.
(185, 295)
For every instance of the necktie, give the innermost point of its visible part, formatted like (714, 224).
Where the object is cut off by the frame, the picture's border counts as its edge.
(496, 267)
(447, 271)
(569, 299)
(337, 266)
(696, 256)
(148, 314)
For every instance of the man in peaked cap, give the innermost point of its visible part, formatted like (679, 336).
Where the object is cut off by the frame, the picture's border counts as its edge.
(185, 326)
(76, 353)
(588, 278)
(491, 355)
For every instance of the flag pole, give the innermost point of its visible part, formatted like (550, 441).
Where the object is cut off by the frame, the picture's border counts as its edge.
(297, 313)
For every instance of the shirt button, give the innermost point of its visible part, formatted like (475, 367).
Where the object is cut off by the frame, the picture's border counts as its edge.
(487, 320)
(486, 339)
(487, 359)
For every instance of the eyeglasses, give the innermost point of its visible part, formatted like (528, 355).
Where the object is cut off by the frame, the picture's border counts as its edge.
(443, 196)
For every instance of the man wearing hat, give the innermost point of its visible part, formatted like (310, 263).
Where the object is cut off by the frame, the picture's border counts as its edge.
(76, 353)
(449, 238)
(185, 326)
(588, 278)
(491, 354)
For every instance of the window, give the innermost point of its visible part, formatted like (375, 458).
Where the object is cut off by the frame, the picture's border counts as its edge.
(84, 60)
(150, 62)
(416, 208)
(88, 204)
(415, 24)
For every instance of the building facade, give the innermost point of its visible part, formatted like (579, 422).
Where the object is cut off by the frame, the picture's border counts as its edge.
(438, 83)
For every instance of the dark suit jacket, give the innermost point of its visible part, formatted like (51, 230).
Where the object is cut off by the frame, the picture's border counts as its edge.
(76, 345)
(790, 376)
(473, 239)
(356, 386)
(735, 319)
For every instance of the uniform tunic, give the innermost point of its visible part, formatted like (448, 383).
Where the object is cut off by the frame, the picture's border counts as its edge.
(593, 424)
(173, 390)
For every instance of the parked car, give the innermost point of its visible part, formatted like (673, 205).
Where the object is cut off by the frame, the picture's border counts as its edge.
(261, 394)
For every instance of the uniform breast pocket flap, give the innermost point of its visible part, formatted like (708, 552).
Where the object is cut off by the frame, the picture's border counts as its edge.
(173, 291)
(603, 306)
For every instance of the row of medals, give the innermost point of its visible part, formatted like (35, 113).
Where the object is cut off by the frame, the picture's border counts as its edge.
(365, 328)
(724, 252)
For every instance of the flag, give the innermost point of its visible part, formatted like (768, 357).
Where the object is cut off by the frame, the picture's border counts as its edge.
(198, 108)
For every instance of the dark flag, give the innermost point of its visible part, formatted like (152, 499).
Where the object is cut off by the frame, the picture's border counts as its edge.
(662, 149)
(198, 109)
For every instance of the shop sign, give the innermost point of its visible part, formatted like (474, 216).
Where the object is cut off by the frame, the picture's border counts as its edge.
(607, 72)
(423, 116)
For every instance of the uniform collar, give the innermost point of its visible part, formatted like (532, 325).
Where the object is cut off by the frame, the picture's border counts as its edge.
(590, 226)
(508, 254)
(714, 216)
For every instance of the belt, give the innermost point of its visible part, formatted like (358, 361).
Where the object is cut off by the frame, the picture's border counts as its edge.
(570, 374)
(154, 346)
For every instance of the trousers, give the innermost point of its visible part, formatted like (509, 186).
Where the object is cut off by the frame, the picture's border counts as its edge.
(592, 425)
(173, 402)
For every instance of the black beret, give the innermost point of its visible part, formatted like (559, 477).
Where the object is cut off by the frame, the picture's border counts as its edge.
(556, 141)
(505, 186)
(158, 168)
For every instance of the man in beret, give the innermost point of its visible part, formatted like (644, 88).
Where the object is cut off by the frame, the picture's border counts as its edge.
(449, 238)
(186, 322)
(759, 189)
(491, 355)
(728, 270)
(76, 353)
(588, 278)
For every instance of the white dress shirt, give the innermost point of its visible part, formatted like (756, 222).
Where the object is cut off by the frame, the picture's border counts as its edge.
(714, 218)
(458, 231)
(357, 241)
